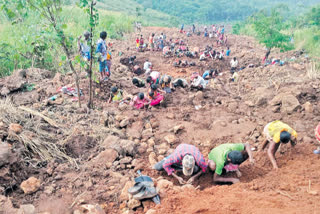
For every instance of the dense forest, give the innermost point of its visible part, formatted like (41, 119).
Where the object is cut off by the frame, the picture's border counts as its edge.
(208, 11)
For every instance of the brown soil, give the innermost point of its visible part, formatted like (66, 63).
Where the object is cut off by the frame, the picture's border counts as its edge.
(231, 112)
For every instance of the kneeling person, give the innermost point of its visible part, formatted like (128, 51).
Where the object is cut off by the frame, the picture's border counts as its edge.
(228, 156)
(187, 158)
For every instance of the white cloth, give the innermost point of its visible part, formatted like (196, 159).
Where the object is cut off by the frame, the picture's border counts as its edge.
(202, 56)
(155, 75)
(233, 63)
(147, 65)
(199, 81)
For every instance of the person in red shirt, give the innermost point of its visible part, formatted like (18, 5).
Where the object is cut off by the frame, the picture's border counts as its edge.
(137, 43)
(187, 158)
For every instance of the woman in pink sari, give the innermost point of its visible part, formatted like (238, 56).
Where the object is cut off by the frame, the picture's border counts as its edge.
(140, 101)
(156, 98)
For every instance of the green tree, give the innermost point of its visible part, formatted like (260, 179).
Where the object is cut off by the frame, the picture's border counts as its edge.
(50, 11)
(269, 27)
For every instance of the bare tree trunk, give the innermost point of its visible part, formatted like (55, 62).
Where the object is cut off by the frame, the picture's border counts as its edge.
(90, 104)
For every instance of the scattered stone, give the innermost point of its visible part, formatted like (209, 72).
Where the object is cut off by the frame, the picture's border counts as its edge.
(147, 133)
(152, 159)
(170, 138)
(125, 160)
(307, 140)
(177, 128)
(5, 153)
(151, 142)
(89, 209)
(124, 122)
(27, 209)
(308, 107)
(125, 147)
(31, 185)
(142, 148)
(122, 106)
(133, 203)
(289, 104)
(124, 195)
(187, 187)
(151, 211)
(106, 156)
(164, 184)
(16, 128)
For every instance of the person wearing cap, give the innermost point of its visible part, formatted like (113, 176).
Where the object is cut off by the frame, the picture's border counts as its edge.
(277, 132)
(83, 46)
(317, 134)
(187, 158)
(228, 157)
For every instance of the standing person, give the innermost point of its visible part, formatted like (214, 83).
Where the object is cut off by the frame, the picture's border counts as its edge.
(267, 55)
(102, 55)
(277, 132)
(141, 43)
(151, 41)
(193, 28)
(109, 58)
(83, 46)
(228, 51)
(181, 30)
(137, 43)
(187, 158)
(228, 156)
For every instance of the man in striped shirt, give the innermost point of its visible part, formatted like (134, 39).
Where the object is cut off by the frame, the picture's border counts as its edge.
(187, 158)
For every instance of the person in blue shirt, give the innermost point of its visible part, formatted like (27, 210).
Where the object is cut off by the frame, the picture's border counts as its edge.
(228, 51)
(208, 74)
(222, 30)
(102, 55)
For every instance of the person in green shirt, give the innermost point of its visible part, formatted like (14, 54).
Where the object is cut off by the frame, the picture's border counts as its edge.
(228, 156)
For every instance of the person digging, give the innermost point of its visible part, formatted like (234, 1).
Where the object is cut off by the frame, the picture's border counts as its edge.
(277, 132)
(187, 158)
(227, 157)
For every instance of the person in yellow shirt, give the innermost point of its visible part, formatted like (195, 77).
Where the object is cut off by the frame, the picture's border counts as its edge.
(277, 132)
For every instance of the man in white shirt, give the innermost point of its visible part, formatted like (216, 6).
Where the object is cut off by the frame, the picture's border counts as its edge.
(234, 64)
(198, 83)
(147, 66)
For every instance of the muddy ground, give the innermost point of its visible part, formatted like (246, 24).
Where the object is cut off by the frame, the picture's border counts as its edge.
(104, 147)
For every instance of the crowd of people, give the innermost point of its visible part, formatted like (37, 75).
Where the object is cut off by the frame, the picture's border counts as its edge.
(224, 158)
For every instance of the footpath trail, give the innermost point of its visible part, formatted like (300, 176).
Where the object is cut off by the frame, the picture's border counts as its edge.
(110, 143)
